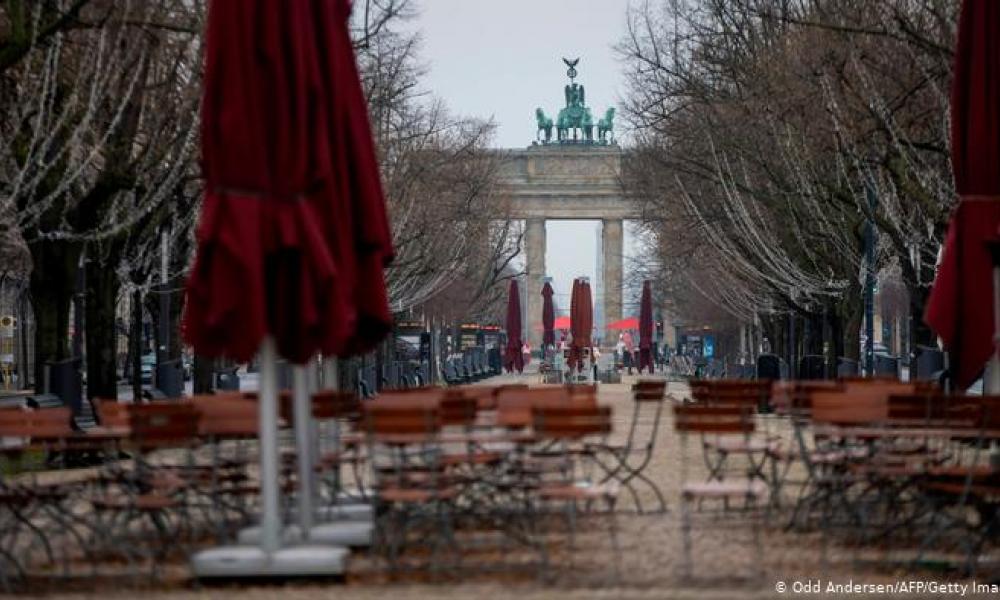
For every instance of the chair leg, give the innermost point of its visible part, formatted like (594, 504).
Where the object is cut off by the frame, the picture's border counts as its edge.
(615, 547)
(686, 537)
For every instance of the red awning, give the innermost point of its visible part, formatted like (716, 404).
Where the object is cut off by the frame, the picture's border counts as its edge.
(623, 324)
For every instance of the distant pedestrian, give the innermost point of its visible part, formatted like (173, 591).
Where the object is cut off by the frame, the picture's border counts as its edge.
(629, 350)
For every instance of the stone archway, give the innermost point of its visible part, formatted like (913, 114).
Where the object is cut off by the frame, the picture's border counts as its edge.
(568, 181)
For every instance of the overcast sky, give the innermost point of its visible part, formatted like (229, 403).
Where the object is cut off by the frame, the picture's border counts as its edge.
(502, 59)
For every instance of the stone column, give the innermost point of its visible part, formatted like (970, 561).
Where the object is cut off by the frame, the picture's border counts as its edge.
(534, 250)
(613, 245)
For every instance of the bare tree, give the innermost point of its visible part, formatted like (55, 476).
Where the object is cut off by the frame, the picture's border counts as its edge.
(766, 127)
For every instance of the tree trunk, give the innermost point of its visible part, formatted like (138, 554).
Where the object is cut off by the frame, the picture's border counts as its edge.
(920, 333)
(102, 332)
(53, 280)
(852, 319)
(836, 350)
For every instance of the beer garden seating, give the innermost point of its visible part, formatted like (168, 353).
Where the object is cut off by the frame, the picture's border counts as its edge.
(453, 471)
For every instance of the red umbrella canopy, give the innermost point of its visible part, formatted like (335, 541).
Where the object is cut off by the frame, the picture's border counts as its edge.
(548, 316)
(357, 223)
(558, 323)
(514, 357)
(627, 323)
(293, 232)
(960, 306)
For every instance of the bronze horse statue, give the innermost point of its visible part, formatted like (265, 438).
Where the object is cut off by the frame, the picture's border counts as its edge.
(605, 126)
(544, 125)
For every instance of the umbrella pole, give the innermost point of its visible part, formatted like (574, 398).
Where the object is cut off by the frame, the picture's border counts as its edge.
(303, 443)
(331, 382)
(330, 373)
(991, 381)
(269, 499)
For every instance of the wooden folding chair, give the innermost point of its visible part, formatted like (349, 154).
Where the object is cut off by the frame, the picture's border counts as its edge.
(40, 512)
(963, 498)
(717, 450)
(625, 462)
(156, 495)
(412, 492)
(730, 419)
(571, 425)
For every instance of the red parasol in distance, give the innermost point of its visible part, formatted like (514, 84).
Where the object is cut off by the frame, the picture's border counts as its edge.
(548, 317)
(514, 359)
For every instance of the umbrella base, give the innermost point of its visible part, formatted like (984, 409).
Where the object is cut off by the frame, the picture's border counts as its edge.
(354, 511)
(239, 562)
(345, 512)
(352, 534)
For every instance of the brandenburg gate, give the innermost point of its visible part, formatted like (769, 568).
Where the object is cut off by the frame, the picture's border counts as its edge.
(575, 177)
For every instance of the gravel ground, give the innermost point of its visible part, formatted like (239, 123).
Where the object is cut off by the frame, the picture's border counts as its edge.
(727, 561)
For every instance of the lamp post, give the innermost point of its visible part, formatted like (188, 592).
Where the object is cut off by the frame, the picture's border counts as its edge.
(870, 283)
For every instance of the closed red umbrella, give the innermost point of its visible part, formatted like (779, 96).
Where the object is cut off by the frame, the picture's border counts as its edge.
(548, 317)
(514, 358)
(582, 321)
(586, 312)
(961, 304)
(358, 227)
(574, 321)
(646, 328)
(293, 234)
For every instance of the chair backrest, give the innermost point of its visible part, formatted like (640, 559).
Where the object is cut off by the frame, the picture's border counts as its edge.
(649, 390)
(418, 422)
(111, 413)
(795, 397)
(852, 406)
(458, 410)
(42, 426)
(484, 395)
(331, 404)
(426, 396)
(514, 405)
(932, 408)
(226, 416)
(715, 419)
(574, 420)
(581, 389)
(162, 424)
(731, 391)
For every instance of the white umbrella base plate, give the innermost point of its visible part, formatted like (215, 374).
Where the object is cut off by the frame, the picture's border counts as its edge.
(355, 511)
(252, 561)
(352, 534)
(345, 512)
(238, 562)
